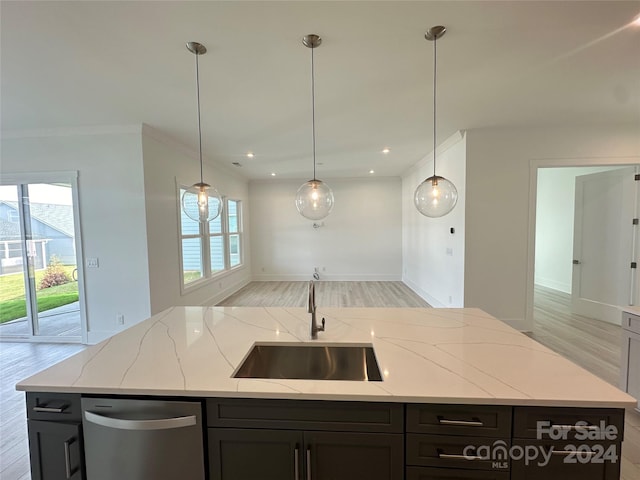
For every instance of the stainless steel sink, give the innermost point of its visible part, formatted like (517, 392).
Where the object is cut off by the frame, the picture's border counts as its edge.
(311, 361)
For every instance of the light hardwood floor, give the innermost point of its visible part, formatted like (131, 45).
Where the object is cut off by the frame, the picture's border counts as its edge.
(589, 343)
(328, 294)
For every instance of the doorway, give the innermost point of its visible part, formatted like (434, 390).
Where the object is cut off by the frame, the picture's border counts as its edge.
(584, 240)
(41, 294)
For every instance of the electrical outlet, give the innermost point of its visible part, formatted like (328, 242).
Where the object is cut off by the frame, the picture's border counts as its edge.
(120, 318)
(92, 262)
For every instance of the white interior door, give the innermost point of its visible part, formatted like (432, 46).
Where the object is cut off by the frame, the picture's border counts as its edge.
(603, 244)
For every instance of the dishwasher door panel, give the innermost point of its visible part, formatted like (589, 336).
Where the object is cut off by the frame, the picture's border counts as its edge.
(143, 439)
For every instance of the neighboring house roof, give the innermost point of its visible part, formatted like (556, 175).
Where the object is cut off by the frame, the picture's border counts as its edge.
(9, 230)
(58, 217)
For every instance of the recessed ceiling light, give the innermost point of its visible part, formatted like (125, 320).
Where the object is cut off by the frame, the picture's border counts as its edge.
(250, 155)
(385, 150)
(273, 174)
(372, 171)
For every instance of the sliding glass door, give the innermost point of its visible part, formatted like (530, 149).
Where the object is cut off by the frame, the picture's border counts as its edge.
(40, 290)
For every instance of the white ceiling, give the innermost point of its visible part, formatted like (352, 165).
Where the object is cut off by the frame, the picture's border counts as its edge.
(517, 63)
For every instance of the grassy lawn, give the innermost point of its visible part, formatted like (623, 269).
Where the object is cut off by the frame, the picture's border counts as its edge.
(12, 298)
(191, 275)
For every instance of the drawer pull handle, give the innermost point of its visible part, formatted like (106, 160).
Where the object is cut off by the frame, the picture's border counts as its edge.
(308, 463)
(450, 456)
(577, 453)
(296, 464)
(461, 423)
(576, 427)
(50, 409)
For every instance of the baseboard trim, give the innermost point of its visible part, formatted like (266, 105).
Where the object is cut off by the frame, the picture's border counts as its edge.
(227, 292)
(553, 285)
(434, 302)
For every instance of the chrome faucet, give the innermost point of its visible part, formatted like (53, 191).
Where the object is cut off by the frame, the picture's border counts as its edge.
(311, 308)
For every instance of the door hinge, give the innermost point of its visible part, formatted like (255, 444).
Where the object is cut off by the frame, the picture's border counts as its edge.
(634, 265)
(634, 221)
(636, 177)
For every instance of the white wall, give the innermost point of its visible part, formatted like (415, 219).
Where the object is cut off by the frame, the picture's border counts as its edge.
(498, 232)
(555, 205)
(432, 257)
(112, 214)
(360, 239)
(164, 160)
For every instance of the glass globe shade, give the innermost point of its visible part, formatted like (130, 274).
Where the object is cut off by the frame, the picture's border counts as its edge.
(314, 200)
(435, 197)
(201, 202)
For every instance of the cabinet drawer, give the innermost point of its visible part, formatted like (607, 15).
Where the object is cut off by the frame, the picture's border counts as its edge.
(449, 451)
(631, 322)
(59, 407)
(562, 465)
(426, 473)
(306, 415)
(563, 421)
(474, 420)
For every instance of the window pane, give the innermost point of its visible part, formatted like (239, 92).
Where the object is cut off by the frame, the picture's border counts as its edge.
(187, 225)
(191, 259)
(234, 250)
(232, 213)
(217, 254)
(215, 225)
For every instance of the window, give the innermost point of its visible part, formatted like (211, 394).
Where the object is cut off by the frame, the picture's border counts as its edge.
(210, 248)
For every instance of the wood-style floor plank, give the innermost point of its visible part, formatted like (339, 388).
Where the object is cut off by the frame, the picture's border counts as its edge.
(328, 294)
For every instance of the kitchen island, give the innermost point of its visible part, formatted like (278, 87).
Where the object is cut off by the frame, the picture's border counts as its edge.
(451, 378)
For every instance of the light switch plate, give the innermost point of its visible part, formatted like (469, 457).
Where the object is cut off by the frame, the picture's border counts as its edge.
(92, 262)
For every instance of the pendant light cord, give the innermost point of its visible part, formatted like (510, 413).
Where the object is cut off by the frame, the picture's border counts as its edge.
(199, 127)
(313, 114)
(435, 63)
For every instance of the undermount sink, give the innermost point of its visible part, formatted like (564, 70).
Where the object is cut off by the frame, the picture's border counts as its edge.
(311, 362)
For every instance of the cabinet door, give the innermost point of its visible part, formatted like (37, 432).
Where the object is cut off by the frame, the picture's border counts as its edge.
(255, 454)
(348, 456)
(55, 450)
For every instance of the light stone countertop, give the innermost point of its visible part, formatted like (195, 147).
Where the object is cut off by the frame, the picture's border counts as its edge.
(425, 355)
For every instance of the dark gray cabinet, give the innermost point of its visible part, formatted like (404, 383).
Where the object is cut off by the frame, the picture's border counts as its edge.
(284, 439)
(55, 437)
(584, 443)
(249, 454)
(253, 454)
(444, 441)
(264, 439)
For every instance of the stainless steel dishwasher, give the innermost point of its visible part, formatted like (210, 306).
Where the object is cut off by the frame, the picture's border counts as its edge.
(142, 439)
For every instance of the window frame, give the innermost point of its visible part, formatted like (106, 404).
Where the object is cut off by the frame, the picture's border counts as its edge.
(205, 235)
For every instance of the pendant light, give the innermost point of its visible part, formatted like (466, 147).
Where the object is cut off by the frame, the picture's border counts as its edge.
(201, 202)
(314, 199)
(436, 196)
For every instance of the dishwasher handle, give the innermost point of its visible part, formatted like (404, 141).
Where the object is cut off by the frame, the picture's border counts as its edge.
(125, 424)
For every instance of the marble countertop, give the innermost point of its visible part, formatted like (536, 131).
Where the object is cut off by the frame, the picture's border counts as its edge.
(425, 355)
